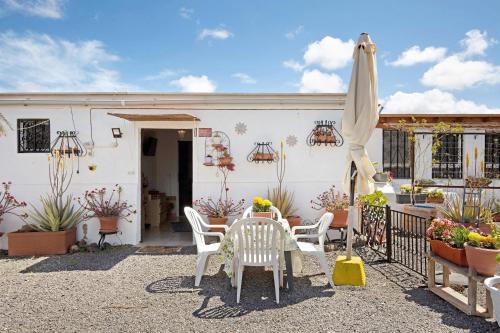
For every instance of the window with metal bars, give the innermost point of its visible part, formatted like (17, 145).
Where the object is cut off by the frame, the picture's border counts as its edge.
(396, 153)
(447, 160)
(492, 155)
(33, 135)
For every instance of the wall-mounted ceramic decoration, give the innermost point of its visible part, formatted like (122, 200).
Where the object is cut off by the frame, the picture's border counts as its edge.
(240, 128)
(291, 140)
(262, 152)
(217, 149)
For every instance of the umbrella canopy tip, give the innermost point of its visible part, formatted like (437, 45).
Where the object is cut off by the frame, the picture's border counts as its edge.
(349, 272)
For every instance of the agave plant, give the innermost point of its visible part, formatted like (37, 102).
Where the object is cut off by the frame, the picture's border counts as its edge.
(283, 200)
(452, 210)
(57, 214)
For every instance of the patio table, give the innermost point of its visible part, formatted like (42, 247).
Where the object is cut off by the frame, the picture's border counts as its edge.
(292, 255)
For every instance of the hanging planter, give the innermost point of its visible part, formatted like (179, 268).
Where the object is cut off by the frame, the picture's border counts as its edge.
(325, 133)
(217, 146)
(262, 152)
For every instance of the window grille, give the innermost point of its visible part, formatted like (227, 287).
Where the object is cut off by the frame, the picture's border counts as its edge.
(33, 135)
(447, 160)
(396, 153)
(492, 155)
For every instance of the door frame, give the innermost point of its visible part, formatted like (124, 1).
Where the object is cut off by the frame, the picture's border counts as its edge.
(139, 126)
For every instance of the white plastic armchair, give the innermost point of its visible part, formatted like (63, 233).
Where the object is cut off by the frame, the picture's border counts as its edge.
(248, 213)
(259, 243)
(316, 250)
(204, 250)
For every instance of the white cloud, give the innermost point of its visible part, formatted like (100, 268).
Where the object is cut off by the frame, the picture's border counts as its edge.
(38, 62)
(44, 8)
(244, 78)
(414, 55)
(163, 74)
(315, 81)
(191, 83)
(294, 33)
(455, 73)
(186, 13)
(476, 42)
(217, 33)
(329, 53)
(433, 101)
(293, 65)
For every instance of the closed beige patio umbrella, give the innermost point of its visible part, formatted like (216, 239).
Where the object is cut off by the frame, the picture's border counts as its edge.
(358, 121)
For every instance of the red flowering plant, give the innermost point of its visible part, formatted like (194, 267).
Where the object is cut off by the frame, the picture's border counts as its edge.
(223, 206)
(453, 234)
(9, 204)
(97, 203)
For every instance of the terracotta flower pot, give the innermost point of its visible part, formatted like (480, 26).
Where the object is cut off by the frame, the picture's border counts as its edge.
(330, 138)
(496, 217)
(39, 243)
(435, 200)
(268, 215)
(454, 255)
(217, 221)
(293, 221)
(108, 223)
(482, 260)
(339, 218)
(225, 160)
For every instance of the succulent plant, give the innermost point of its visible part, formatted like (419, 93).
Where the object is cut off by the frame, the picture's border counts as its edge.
(57, 214)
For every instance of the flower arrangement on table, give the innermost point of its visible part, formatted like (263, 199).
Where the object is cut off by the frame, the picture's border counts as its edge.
(261, 207)
(333, 202)
(107, 207)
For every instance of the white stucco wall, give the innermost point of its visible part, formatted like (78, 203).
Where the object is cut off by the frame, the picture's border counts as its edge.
(310, 170)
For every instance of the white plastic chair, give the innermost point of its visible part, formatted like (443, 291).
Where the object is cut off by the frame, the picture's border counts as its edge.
(316, 250)
(276, 212)
(204, 250)
(260, 243)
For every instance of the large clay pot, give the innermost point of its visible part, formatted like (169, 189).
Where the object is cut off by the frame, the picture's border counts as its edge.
(482, 260)
(108, 224)
(268, 215)
(339, 218)
(217, 221)
(454, 255)
(40, 243)
(293, 221)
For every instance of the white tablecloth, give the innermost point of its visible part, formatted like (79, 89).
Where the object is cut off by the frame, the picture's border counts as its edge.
(228, 251)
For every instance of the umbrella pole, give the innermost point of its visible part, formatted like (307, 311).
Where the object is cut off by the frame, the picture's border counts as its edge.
(350, 226)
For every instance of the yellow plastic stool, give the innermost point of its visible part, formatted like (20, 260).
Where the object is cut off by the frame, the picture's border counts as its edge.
(349, 272)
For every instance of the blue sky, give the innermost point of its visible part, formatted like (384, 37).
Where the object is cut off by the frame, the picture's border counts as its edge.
(433, 55)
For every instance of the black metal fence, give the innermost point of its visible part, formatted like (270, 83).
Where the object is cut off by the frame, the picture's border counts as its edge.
(398, 236)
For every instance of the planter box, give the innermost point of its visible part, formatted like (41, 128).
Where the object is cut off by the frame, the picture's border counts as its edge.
(38, 243)
(454, 255)
(403, 198)
(268, 215)
(483, 261)
(435, 200)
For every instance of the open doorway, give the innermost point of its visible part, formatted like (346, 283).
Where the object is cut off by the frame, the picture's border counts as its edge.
(167, 186)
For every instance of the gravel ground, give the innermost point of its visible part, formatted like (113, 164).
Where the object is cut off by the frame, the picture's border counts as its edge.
(122, 290)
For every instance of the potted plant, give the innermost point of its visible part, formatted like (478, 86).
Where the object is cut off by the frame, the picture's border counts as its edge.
(225, 159)
(380, 176)
(218, 210)
(282, 198)
(447, 240)
(109, 209)
(452, 210)
(404, 197)
(333, 202)
(55, 229)
(435, 196)
(262, 208)
(482, 251)
(208, 160)
(377, 198)
(9, 204)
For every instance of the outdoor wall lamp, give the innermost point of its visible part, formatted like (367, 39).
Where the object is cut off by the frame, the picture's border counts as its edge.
(117, 133)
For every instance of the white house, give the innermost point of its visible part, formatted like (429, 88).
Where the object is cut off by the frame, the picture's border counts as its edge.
(155, 128)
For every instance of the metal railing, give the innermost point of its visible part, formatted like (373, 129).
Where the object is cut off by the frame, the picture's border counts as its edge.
(398, 236)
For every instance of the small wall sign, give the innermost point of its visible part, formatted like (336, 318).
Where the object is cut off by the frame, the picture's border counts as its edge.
(204, 132)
